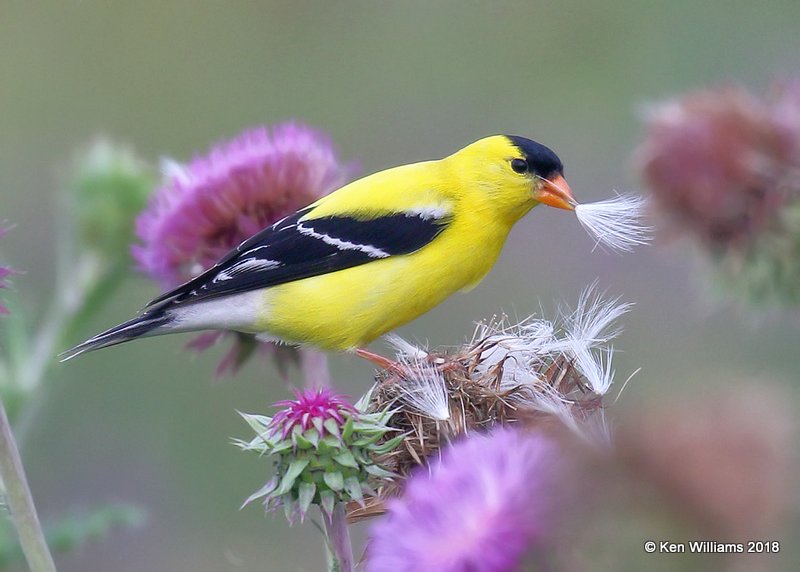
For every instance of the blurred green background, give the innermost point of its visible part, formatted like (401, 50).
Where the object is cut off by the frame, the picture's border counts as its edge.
(395, 82)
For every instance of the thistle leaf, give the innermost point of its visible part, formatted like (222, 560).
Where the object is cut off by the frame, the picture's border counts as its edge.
(347, 431)
(292, 472)
(327, 501)
(305, 496)
(332, 426)
(346, 459)
(262, 492)
(353, 488)
(334, 480)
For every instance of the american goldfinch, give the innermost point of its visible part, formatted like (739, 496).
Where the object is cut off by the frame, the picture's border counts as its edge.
(367, 258)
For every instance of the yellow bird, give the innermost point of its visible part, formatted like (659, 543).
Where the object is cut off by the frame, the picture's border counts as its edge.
(367, 258)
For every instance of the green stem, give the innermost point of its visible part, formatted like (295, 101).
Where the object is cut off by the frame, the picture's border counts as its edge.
(68, 299)
(20, 501)
(72, 306)
(339, 539)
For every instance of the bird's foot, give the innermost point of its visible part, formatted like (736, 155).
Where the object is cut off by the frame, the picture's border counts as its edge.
(382, 362)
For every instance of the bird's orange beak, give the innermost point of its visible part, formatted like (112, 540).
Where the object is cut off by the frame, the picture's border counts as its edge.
(555, 192)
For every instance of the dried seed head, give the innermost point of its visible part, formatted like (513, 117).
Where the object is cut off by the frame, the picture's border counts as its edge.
(532, 374)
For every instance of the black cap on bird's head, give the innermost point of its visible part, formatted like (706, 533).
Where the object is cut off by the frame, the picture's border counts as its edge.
(544, 164)
(541, 160)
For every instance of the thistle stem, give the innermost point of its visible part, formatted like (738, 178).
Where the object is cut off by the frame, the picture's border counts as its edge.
(20, 501)
(72, 299)
(314, 366)
(339, 538)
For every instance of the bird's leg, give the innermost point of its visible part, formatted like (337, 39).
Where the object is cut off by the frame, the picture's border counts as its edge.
(382, 362)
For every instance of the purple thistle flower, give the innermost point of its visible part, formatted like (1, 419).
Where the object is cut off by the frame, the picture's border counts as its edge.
(716, 161)
(480, 509)
(5, 272)
(204, 209)
(323, 450)
(311, 408)
(724, 165)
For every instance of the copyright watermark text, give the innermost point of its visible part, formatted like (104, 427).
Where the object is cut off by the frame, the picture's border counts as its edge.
(712, 547)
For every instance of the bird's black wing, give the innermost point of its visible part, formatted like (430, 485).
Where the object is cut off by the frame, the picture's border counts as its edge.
(292, 249)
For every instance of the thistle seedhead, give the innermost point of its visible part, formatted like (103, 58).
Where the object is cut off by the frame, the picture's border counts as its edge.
(324, 451)
(535, 374)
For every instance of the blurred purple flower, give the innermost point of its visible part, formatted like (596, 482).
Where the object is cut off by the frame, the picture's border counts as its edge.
(717, 161)
(724, 165)
(5, 272)
(482, 508)
(785, 115)
(204, 209)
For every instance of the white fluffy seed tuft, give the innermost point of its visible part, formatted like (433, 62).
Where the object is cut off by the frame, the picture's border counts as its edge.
(616, 223)
(521, 354)
(590, 327)
(425, 391)
(405, 350)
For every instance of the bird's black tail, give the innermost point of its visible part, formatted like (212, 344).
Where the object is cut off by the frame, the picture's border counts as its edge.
(148, 324)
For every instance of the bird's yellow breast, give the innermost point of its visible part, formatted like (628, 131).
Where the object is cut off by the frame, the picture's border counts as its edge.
(352, 307)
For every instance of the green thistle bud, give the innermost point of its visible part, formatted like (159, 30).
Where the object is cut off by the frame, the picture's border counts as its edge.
(110, 187)
(323, 449)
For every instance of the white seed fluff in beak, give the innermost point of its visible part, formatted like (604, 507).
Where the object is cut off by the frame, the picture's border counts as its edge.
(616, 223)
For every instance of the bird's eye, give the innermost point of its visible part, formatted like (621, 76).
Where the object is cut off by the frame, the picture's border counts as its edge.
(519, 165)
